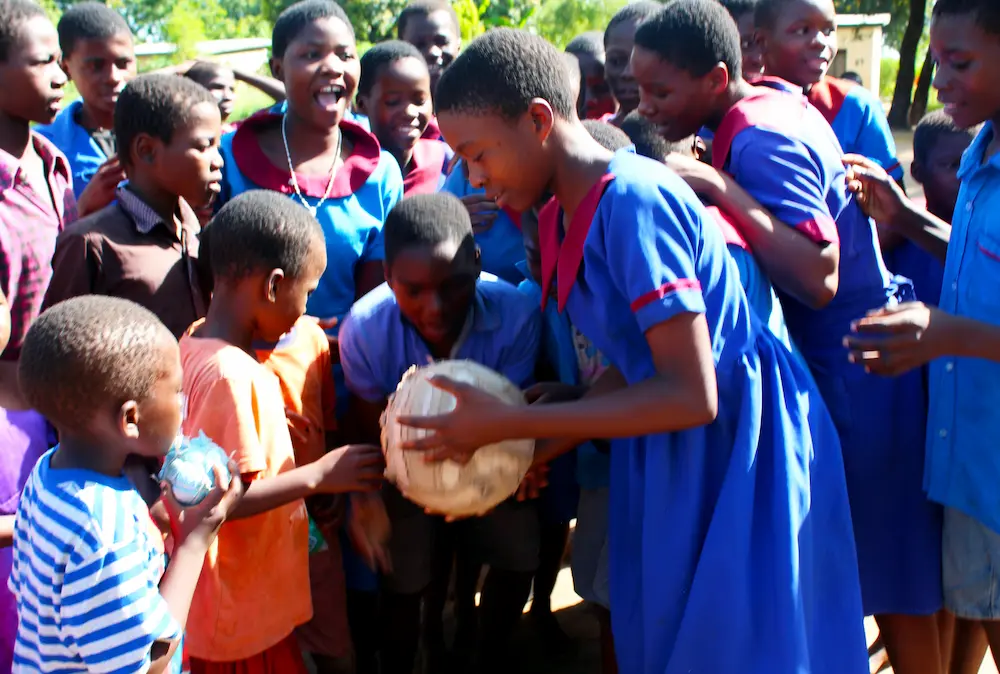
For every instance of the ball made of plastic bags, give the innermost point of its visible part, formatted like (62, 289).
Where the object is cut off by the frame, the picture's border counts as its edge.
(493, 473)
(188, 466)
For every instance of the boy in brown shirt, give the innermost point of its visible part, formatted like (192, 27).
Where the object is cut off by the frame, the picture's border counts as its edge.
(144, 246)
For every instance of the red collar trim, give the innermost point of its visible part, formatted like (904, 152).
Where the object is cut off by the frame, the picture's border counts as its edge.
(729, 232)
(433, 131)
(828, 96)
(515, 216)
(562, 261)
(256, 167)
(765, 107)
(427, 168)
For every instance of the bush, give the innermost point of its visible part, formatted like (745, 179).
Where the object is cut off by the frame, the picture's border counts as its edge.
(887, 76)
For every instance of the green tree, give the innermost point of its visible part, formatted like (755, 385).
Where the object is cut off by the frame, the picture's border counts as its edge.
(559, 21)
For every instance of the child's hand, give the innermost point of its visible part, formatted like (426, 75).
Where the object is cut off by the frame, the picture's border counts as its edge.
(100, 191)
(535, 480)
(368, 528)
(879, 195)
(553, 392)
(701, 177)
(895, 339)
(201, 522)
(351, 468)
(303, 431)
(483, 211)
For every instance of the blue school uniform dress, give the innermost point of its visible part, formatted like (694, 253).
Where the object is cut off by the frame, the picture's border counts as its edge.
(502, 245)
(962, 467)
(740, 527)
(778, 148)
(84, 154)
(428, 168)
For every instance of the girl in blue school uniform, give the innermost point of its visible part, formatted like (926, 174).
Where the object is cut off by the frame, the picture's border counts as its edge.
(728, 510)
(394, 94)
(799, 40)
(308, 149)
(777, 162)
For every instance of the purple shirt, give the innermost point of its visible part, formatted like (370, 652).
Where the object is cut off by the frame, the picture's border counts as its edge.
(31, 222)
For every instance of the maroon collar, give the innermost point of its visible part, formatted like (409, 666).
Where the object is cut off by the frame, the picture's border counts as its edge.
(562, 261)
(828, 96)
(426, 168)
(256, 167)
(433, 131)
(764, 107)
(729, 231)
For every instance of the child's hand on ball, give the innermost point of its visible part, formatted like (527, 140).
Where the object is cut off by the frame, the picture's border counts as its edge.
(201, 522)
(350, 468)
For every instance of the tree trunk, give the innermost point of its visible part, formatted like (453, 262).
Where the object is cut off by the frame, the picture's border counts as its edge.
(899, 114)
(919, 107)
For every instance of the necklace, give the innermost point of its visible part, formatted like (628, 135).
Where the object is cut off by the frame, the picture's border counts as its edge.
(291, 169)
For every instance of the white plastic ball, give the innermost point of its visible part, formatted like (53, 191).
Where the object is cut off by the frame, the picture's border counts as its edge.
(490, 477)
(188, 466)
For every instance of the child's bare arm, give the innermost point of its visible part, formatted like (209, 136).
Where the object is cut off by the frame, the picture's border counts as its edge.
(270, 86)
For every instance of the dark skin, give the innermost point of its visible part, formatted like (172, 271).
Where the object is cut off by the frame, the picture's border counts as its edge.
(618, 43)
(100, 68)
(750, 45)
(596, 99)
(263, 306)
(801, 44)
(436, 37)
(146, 428)
(517, 160)
(189, 167)
(399, 107)
(937, 172)
(680, 104)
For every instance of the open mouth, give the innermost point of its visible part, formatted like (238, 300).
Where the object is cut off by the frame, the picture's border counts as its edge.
(329, 97)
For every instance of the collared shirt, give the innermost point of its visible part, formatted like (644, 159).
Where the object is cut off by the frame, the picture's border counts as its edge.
(126, 250)
(30, 224)
(963, 426)
(378, 345)
(428, 167)
(85, 154)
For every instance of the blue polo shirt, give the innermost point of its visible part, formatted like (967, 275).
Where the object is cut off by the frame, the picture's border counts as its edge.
(963, 468)
(378, 345)
(501, 246)
(84, 154)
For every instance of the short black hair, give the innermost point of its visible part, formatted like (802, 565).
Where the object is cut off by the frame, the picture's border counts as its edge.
(767, 12)
(852, 76)
(574, 76)
(380, 56)
(738, 8)
(931, 128)
(259, 231)
(425, 8)
(501, 71)
(13, 15)
(638, 11)
(156, 104)
(590, 43)
(88, 352)
(611, 137)
(427, 220)
(293, 21)
(89, 21)
(203, 72)
(647, 140)
(985, 13)
(694, 35)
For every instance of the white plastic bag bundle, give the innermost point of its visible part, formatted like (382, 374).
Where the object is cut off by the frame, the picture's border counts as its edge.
(490, 477)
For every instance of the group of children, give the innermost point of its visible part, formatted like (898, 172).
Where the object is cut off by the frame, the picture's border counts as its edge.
(702, 296)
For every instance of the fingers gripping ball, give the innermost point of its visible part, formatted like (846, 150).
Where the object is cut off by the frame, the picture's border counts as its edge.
(188, 466)
(490, 477)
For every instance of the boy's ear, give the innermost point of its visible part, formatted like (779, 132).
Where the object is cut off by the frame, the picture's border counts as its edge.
(64, 64)
(128, 419)
(144, 149)
(542, 118)
(699, 148)
(274, 280)
(361, 105)
(276, 69)
(386, 273)
(917, 171)
(717, 79)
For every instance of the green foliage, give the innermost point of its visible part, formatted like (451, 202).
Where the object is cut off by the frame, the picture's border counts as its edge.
(889, 69)
(559, 21)
(899, 9)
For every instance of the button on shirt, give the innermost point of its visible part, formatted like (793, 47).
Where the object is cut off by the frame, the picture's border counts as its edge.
(963, 464)
(29, 225)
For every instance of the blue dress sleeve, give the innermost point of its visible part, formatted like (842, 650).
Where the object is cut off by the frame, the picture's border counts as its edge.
(875, 139)
(786, 178)
(391, 183)
(362, 372)
(651, 242)
(456, 182)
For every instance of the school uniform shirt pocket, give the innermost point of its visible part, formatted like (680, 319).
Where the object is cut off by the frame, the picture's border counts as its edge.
(981, 282)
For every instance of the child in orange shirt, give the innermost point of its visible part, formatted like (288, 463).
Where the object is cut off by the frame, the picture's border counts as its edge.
(267, 254)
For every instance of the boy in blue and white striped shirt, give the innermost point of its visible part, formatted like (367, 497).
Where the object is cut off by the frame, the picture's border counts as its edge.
(88, 576)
